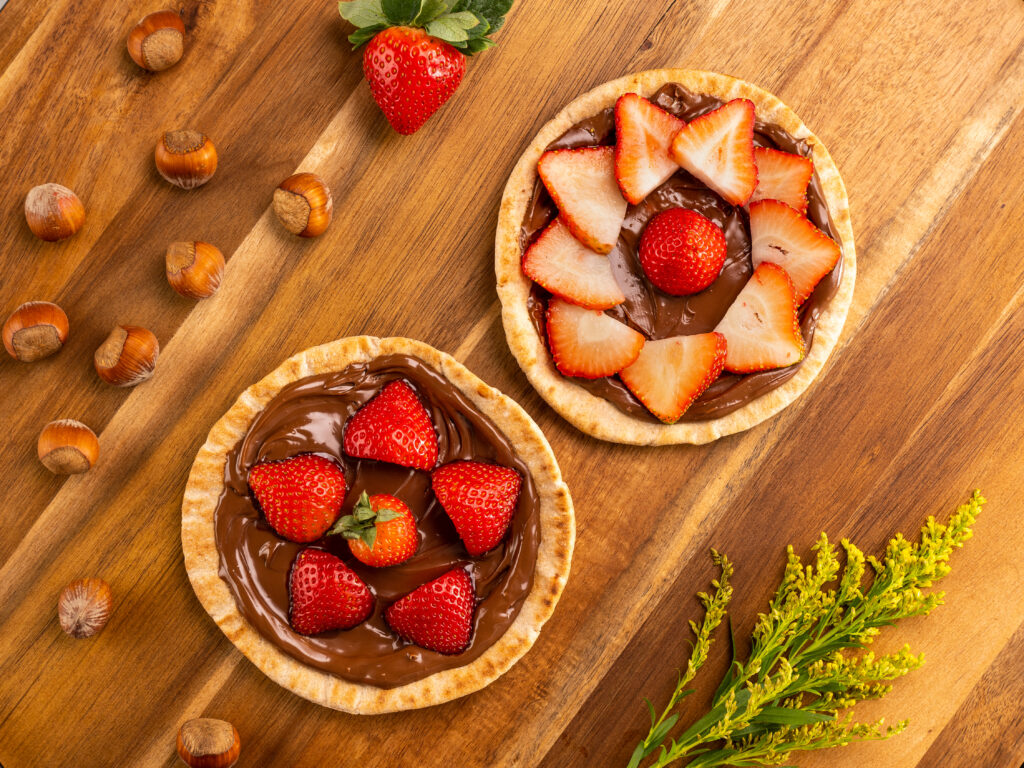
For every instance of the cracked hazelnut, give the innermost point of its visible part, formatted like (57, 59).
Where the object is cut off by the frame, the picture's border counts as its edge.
(84, 607)
(186, 159)
(194, 269)
(157, 42)
(128, 356)
(205, 742)
(35, 330)
(67, 447)
(303, 204)
(53, 212)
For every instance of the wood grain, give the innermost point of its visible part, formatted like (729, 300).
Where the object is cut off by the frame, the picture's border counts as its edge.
(919, 103)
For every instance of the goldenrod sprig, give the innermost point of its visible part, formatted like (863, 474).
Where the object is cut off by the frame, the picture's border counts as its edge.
(808, 663)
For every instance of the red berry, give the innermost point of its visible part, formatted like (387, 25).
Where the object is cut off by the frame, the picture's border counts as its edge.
(479, 498)
(325, 594)
(682, 252)
(381, 530)
(394, 426)
(300, 496)
(437, 615)
(411, 74)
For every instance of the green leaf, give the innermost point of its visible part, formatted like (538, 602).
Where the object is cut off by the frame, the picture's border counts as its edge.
(638, 755)
(788, 716)
(400, 12)
(370, 536)
(362, 13)
(383, 515)
(448, 30)
(429, 11)
(479, 44)
(365, 35)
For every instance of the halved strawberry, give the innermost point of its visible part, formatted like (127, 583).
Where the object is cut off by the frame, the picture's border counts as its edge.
(782, 176)
(582, 184)
(394, 426)
(780, 235)
(438, 615)
(589, 343)
(325, 594)
(718, 148)
(671, 373)
(567, 268)
(480, 500)
(761, 327)
(300, 496)
(643, 135)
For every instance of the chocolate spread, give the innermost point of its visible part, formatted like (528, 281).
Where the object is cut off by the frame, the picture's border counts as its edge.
(309, 416)
(658, 315)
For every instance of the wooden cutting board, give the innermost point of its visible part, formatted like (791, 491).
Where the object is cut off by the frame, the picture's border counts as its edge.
(920, 104)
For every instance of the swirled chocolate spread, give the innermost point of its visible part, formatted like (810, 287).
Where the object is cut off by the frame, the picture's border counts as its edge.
(309, 416)
(658, 315)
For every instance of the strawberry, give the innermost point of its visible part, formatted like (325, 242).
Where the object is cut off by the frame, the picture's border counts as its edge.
(325, 594)
(671, 373)
(381, 530)
(761, 327)
(438, 615)
(567, 268)
(589, 343)
(782, 176)
(682, 252)
(300, 496)
(643, 135)
(417, 50)
(718, 148)
(582, 184)
(480, 500)
(779, 234)
(395, 427)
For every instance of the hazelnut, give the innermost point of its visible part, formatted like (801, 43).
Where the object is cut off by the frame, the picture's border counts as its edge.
(53, 212)
(128, 356)
(186, 159)
(35, 330)
(204, 742)
(84, 607)
(194, 269)
(67, 447)
(303, 204)
(157, 42)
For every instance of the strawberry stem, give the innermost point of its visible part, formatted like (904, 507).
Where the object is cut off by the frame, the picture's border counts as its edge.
(464, 24)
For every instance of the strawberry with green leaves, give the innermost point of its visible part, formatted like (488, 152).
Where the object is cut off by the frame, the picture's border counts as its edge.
(381, 530)
(416, 52)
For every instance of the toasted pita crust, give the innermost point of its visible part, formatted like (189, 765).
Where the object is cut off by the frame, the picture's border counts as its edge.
(594, 415)
(554, 554)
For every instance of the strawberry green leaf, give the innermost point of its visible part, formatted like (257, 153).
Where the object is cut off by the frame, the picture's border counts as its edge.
(362, 13)
(365, 35)
(479, 44)
(383, 515)
(429, 11)
(400, 12)
(453, 27)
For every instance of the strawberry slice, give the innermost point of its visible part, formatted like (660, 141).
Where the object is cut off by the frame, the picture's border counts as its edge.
(779, 234)
(567, 268)
(718, 148)
(480, 500)
(589, 343)
(643, 135)
(394, 426)
(438, 615)
(782, 176)
(761, 327)
(671, 373)
(325, 594)
(582, 184)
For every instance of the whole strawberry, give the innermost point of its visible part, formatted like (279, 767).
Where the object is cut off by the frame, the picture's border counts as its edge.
(300, 496)
(480, 500)
(325, 594)
(394, 427)
(381, 530)
(438, 615)
(682, 252)
(417, 50)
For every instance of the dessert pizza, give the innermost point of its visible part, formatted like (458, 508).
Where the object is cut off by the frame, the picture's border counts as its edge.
(376, 528)
(674, 258)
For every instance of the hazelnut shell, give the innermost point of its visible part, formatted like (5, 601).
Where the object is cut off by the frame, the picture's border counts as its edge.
(35, 330)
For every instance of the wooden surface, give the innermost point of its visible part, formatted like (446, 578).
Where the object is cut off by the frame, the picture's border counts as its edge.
(920, 104)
